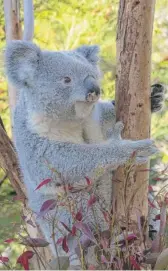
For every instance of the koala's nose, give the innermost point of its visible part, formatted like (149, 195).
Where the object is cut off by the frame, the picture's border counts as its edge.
(92, 88)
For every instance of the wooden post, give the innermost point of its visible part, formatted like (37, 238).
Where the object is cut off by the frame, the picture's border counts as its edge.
(134, 45)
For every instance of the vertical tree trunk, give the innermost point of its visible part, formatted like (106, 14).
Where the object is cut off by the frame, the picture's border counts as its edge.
(8, 160)
(13, 32)
(134, 45)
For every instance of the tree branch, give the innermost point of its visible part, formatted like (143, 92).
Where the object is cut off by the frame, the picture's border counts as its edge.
(28, 20)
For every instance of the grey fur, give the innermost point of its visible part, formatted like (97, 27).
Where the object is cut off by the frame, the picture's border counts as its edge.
(65, 124)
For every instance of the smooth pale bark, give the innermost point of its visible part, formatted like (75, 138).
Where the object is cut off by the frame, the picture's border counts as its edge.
(134, 46)
(28, 20)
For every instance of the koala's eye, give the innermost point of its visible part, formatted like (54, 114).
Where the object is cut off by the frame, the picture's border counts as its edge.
(67, 80)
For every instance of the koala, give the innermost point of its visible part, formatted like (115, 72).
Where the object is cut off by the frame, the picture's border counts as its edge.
(59, 118)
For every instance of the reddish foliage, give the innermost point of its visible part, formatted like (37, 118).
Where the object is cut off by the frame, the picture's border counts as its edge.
(89, 182)
(91, 201)
(73, 232)
(47, 206)
(151, 204)
(4, 259)
(91, 267)
(78, 216)
(43, 183)
(106, 217)
(59, 241)
(150, 189)
(104, 242)
(64, 244)
(157, 217)
(86, 230)
(24, 259)
(10, 240)
(157, 179)
(66, 227)
(103, 259)
(134, 263)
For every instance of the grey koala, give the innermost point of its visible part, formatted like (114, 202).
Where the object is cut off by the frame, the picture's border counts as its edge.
(60, 119)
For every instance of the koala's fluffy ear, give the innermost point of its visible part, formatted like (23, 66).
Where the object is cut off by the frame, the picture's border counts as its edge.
(22, 60)
(90, 52)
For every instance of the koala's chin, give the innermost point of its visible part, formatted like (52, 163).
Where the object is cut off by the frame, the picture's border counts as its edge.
(83, 109)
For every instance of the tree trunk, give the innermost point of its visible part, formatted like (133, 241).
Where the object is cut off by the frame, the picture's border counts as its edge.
(134, 46)
(13, 32)
(8, 158)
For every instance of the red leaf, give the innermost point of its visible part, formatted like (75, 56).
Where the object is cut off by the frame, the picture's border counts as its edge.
(86, 230)
(151, 204)
(134, 263)
(10, 240)
(70, 187)
(78, 216)
(24, 259)
(47, 206)
(66, 227)
(131, 237)
(157, 179)
(73, 230)
(89, 182)
(17, 197)
(35, 242)
(133, 154)
(150, 189)
(30, 223)
(91, 267)
(59, 241)
(103, 259)
(104, 242)
(106, 217)
(157, 217)
(43, 183)
(4, 259)
(91, 201)
(64, 244)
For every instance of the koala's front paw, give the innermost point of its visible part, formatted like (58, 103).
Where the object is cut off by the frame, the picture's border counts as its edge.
(143, 150)
(115, 133)
(157, 97)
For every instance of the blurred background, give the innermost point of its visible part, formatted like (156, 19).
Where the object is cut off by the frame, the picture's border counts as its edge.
(62, 25)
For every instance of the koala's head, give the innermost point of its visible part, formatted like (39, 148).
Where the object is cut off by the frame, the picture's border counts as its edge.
(61, 84)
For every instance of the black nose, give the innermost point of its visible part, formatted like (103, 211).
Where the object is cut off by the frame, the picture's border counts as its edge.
(94, 89)
(91, 85)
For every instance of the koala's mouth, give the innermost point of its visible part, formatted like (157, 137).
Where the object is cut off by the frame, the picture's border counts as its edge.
(92, 97)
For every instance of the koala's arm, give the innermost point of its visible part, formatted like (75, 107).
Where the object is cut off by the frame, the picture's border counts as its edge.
(79, 160)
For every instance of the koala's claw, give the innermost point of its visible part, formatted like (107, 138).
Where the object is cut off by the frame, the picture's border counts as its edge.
(119, 126)
(146, 150)
(157, 97)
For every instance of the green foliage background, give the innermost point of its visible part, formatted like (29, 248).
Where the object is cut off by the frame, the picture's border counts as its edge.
(66, 25)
